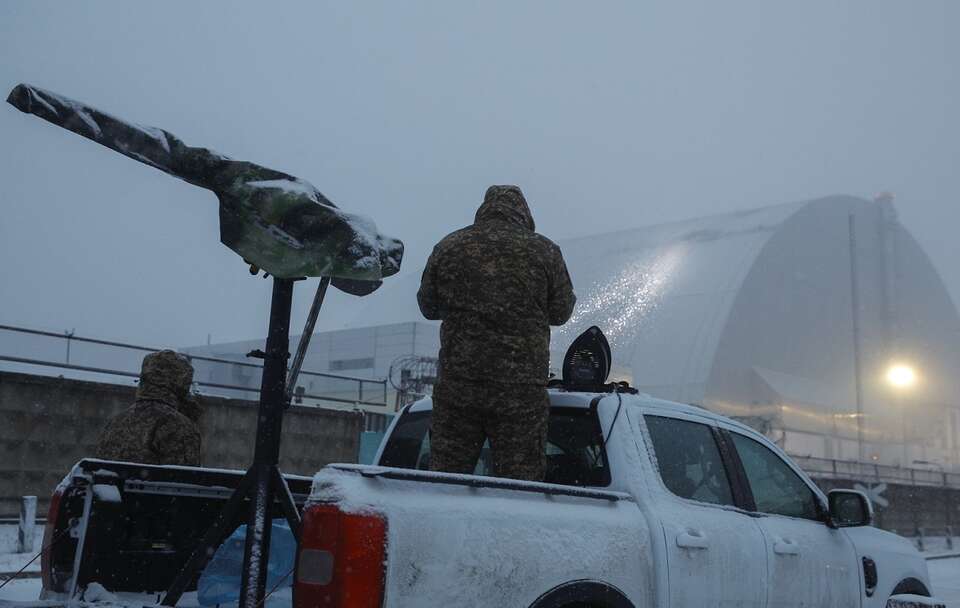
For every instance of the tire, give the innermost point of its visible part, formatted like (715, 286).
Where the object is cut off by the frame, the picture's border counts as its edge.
(911, 586)
(583, 594)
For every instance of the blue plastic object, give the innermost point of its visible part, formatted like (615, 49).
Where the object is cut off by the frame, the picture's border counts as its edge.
(369, 444)
(220, 581)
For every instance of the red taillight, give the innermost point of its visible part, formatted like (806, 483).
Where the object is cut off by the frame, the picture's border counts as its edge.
(48, 534)
(341, 559)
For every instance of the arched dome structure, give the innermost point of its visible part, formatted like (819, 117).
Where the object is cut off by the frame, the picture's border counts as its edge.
(752, 314)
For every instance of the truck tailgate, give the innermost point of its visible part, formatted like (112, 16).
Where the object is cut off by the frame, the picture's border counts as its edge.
(131, 527)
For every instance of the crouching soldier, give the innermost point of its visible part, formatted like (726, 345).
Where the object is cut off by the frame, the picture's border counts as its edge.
(162, 426)
(498, 286)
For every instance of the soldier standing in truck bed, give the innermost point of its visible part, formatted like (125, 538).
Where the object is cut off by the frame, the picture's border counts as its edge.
(498, 286)
(162, 426)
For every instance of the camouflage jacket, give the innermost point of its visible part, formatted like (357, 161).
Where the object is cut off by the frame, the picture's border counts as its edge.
(153, 431)
(498, 286)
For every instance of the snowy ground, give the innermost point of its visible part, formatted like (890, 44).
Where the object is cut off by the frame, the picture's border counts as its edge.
(28, 590)
(12, 562)
(945, 576)
(21, 590)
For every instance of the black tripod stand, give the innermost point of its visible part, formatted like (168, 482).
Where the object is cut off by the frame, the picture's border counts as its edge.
(263, 482)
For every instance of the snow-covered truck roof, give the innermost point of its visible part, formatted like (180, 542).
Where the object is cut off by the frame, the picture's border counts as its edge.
(564, 398)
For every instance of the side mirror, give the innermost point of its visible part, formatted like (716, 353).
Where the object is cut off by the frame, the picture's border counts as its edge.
(849, 508)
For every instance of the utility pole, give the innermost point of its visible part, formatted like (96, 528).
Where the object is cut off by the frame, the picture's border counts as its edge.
(855, 315)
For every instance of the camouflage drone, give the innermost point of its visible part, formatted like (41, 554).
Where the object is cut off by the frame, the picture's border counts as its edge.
(274, 221)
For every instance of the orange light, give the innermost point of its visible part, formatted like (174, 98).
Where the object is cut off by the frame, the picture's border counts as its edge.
(901, 376)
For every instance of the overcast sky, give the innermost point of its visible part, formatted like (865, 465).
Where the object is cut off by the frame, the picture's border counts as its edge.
(608, 115)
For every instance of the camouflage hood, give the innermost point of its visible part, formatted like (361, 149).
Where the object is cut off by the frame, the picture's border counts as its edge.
(165, 376)
(190, 407)
(505, 203)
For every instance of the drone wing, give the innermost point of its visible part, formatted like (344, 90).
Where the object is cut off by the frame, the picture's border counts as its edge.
(273, 220)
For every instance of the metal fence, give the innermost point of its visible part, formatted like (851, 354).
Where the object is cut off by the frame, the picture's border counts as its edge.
(105, 360)
(876, 473)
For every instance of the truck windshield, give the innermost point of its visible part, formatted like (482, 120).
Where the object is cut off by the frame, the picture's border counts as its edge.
(575, 453)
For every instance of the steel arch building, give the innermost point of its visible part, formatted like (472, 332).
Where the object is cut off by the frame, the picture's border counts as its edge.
(767, 315)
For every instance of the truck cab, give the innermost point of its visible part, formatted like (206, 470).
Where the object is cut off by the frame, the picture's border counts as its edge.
(646, 503)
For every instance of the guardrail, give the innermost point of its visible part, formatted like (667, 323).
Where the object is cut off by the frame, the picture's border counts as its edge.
(935, 539)
(869, 472)
(14, 520)
(374, 388)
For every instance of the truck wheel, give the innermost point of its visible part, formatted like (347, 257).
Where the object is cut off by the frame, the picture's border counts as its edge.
(583, 594)
(911, 586)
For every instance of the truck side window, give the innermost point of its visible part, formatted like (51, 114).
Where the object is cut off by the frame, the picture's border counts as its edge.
(776, 488)
(689, 460)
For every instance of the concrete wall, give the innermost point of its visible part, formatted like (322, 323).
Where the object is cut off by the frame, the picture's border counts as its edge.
(47, 424)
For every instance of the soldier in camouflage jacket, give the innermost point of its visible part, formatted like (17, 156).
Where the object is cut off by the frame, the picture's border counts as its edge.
(498, 286)
(162, 426)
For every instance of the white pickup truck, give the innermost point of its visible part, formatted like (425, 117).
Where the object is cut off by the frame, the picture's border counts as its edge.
(648, 503)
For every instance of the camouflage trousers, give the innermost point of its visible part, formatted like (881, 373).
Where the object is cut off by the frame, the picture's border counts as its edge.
(512, 416)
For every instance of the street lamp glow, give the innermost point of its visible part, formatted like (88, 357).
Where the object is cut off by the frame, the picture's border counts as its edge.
(901, 376)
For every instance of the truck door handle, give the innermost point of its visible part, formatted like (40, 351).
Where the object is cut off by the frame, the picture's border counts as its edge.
(785, 546)
(692, 539)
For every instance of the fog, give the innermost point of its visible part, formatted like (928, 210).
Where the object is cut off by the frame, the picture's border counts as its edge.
(608, 116)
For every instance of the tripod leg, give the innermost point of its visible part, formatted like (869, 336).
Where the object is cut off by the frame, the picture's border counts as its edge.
(257, 549)
(287, 503)
(266, 452)
(305, 338)
(209, 543)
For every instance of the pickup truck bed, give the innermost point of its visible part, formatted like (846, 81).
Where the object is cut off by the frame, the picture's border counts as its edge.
(500, 540)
